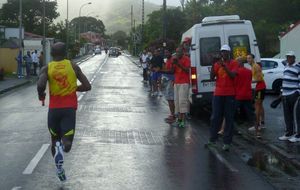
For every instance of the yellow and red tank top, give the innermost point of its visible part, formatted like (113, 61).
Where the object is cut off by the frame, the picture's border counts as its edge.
(62, 84)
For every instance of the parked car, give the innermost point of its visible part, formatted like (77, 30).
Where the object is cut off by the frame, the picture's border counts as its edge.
(273, 73)
(98, 51)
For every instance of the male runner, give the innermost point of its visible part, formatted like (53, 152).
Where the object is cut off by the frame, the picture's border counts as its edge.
(62, 77)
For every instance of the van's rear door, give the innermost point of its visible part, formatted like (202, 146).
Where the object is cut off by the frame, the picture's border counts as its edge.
(239, 37)
(210, 40)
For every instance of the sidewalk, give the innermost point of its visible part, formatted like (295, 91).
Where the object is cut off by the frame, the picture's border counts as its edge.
(274, 123)
(12, 82)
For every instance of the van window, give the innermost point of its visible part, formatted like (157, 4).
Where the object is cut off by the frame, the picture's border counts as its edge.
(209, 50)
(240, 46)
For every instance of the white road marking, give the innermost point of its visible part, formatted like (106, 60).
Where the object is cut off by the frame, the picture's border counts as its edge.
(16, 188)
(34, 162)
(223, 160)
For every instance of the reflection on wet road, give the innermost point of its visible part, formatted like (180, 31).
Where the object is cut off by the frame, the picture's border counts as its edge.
(122, 142)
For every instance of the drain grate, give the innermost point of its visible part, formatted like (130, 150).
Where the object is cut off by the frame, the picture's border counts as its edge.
(116, 109)
(134, 137)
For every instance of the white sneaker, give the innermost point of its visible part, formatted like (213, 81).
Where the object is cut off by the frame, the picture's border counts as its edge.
(294, 139)
(253, 128)
(285, 138)
(160, 94)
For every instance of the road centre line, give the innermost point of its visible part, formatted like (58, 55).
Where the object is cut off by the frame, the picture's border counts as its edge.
(33, 163)
(93, 78)
(16, 188)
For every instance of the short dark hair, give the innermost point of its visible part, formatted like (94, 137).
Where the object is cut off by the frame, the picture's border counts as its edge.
(252, 55)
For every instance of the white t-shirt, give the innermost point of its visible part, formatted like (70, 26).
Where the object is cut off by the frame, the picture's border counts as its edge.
(144, 60)
(35, 58)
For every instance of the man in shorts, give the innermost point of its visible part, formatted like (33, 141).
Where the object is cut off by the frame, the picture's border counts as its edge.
(169, 92)
(156, 63)
(62, 77)
(181, 70)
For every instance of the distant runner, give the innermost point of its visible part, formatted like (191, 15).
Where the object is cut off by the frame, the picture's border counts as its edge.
(62, 76)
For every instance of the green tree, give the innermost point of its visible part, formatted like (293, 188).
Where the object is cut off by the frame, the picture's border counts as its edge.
(88, 24)
(121, 38)
(154, 25)
(32, 14)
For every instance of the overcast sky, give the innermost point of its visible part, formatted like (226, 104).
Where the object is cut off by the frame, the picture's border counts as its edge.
(97, 5)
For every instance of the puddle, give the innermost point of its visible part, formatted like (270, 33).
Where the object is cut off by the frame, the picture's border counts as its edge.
(269, 163)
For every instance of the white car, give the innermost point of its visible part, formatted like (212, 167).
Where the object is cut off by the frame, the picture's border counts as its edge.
(273, 72)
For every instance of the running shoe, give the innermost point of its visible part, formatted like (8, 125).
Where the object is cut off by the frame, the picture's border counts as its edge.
(295, 138)
(59, 160)
(285, 137)
(181, 124)
(61, 175)
(253, 128)
(226, 147)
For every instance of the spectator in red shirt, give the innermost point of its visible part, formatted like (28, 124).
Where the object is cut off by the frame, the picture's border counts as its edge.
(244, 92)
(223, 105)
(181, 71)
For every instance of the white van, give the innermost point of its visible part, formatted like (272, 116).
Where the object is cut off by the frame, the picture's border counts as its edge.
(206, 41)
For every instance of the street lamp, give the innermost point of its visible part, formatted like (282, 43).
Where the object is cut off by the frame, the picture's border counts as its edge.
(83, 6)
(80, 16)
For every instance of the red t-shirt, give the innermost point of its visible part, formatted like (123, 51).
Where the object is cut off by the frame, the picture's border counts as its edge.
(182, 77)
(224, 84)
(243, 82)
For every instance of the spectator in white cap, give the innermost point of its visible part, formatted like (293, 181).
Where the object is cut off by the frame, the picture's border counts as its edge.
(223, 105)
(290, 98)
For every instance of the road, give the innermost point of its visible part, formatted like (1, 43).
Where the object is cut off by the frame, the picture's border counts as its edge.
(121, 141)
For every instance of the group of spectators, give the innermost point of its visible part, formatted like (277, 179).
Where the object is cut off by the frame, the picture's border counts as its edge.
(176, 72)
(233, 92)
(31, 61)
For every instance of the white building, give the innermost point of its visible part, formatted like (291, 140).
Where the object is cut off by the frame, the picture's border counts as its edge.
(10, 33)
(290, 41)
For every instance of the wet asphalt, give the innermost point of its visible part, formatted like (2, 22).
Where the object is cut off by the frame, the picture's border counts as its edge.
(121, 142)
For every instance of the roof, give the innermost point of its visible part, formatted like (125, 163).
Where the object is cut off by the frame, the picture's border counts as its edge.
(31, 35)
(290, 29)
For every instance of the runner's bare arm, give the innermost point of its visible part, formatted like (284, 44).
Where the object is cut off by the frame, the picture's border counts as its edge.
(85, 84)
(42, 82)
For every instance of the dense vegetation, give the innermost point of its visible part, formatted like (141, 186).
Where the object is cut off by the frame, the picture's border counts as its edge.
(269, 17)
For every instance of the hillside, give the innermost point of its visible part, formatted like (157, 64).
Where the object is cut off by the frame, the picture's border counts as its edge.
(118, 18)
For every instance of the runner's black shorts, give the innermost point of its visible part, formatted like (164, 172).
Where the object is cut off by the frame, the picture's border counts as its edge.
(260, 94)
(61, 122)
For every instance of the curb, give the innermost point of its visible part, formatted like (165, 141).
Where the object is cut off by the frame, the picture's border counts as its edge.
(33, 81)
(15, 87)
(280, 153)
(137, 64)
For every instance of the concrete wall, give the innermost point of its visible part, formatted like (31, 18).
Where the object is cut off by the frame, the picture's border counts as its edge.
(291, 42)
(7, 59)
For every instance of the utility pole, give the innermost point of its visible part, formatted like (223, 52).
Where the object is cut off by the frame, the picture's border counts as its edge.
(44, 33)
(164, 34)
(67, 30)
(20, 25)
(131, 17)
(143, 22)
